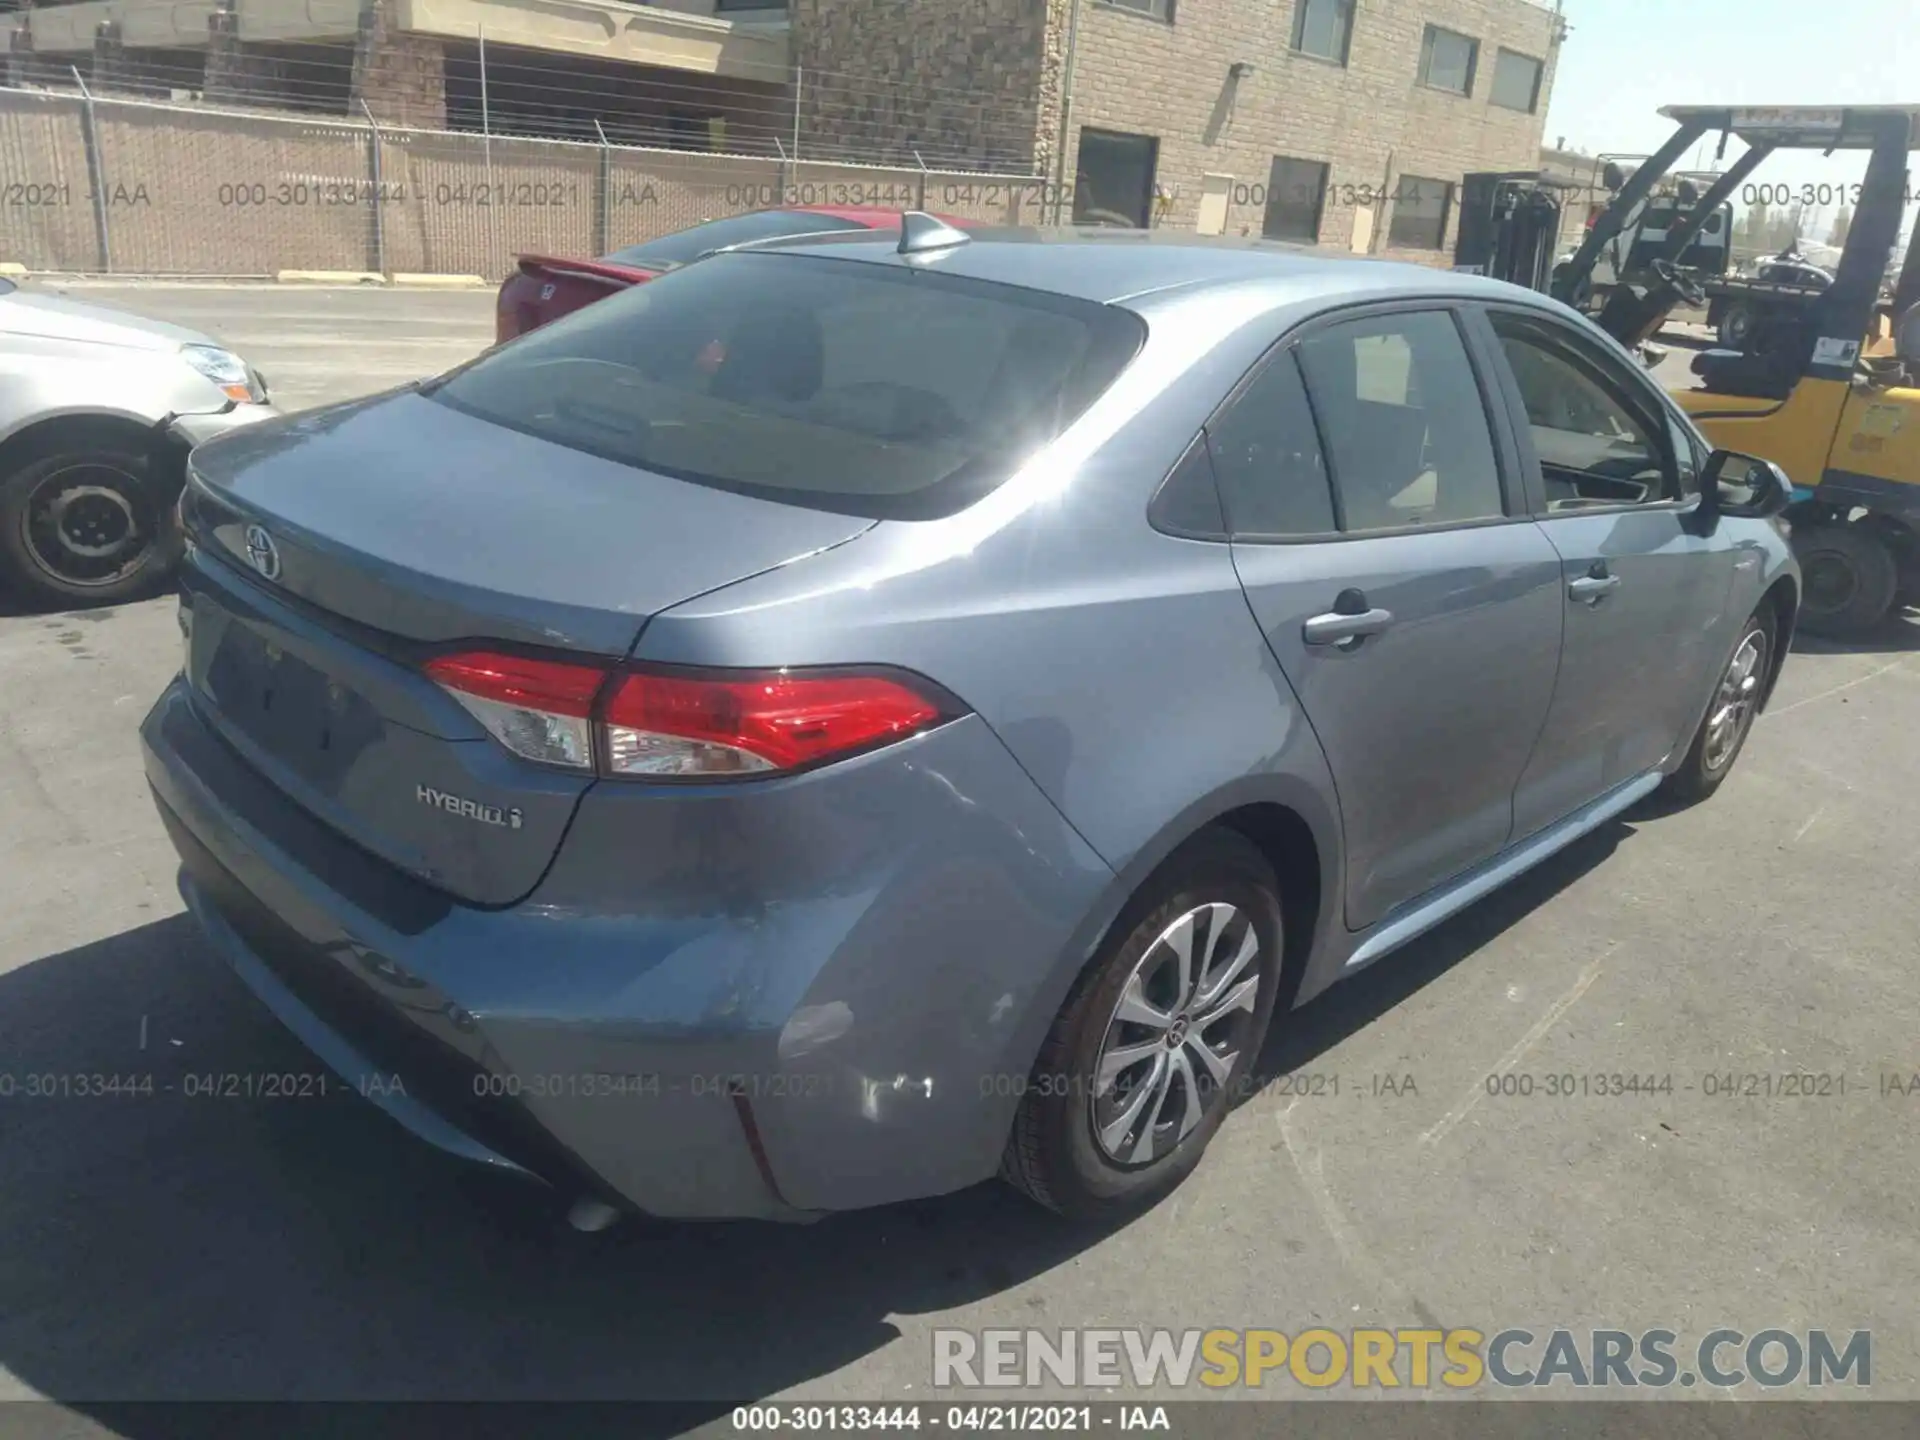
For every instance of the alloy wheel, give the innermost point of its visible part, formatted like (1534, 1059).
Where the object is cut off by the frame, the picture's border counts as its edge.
(1175, 1034)
(1736, 699)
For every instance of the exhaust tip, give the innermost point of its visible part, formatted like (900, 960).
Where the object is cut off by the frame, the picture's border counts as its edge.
(590, 1216)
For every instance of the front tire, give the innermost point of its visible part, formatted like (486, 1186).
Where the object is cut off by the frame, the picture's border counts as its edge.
(1736, 326)
(1730, 715)
(1157, 1038)
(86, 524)
(1849, 578)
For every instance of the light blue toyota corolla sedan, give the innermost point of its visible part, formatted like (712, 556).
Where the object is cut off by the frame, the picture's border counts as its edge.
(851, 718)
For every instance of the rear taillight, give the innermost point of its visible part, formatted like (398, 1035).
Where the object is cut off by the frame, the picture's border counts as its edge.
(540, 709)
(677, 725)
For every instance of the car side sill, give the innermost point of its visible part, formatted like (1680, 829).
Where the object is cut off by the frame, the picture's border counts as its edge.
(1422, 915)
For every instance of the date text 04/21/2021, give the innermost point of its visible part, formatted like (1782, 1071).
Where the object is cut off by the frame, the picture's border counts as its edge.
(1017, 1419)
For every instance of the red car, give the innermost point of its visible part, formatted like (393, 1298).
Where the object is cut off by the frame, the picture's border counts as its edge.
(543, 288)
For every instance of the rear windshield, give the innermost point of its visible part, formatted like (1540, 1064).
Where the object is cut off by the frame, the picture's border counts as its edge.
(686, 246)
(868, 389)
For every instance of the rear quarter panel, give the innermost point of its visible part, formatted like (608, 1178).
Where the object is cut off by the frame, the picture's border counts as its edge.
(1120, 666)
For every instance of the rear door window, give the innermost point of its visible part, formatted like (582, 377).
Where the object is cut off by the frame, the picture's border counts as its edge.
(1405, 425)
(863, 388)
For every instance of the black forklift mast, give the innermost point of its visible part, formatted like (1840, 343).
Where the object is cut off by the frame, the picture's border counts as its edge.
(1721, 191)
(1847, 311)
(1573, 283)
(1906, 290)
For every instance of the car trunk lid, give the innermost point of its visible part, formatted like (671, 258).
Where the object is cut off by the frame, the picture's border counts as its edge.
(352, 545)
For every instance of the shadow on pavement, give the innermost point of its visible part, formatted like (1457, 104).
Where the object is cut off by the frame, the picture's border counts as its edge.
(1350, 1006)
(173, 1246)
(1898, 634)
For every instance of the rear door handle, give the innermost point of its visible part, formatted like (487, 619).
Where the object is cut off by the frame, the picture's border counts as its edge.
(1335, 628)
(1593, 588)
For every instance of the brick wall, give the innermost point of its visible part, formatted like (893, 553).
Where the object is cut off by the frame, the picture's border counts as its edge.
(959, 81)
(1140, 75)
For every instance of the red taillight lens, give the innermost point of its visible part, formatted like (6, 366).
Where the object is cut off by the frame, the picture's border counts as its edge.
(539, 709)
(669, 724)
(659, 724)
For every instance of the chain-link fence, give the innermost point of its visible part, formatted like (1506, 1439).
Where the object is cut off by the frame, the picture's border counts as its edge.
(96, 184)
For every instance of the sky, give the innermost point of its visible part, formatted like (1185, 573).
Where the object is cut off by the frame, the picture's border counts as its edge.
(1624, 59)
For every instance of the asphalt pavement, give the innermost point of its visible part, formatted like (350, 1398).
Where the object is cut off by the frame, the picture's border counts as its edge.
(202, 1246)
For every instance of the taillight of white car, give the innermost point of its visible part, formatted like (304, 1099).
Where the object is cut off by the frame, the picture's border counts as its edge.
(648, 722)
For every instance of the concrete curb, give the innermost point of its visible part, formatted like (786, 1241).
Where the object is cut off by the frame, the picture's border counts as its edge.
(448, 282)
(13, 269)
(328, 277)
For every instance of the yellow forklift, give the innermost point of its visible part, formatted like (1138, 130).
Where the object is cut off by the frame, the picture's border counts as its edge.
(1825, 383)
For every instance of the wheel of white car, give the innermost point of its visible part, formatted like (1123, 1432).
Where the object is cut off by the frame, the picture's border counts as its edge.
(82, 522)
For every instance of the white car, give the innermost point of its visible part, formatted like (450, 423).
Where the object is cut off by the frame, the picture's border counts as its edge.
(98, 409)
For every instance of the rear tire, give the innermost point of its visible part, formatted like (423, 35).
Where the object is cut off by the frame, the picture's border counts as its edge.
(1849, 578)
(1122, 1102)
(86, 524)
(1730, 714)
(1903, 543)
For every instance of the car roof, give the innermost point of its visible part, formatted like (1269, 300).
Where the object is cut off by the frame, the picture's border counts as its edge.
(1115, 267)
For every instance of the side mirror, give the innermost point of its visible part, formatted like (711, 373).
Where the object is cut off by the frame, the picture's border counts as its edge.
(1613, 177)
(1745, 486)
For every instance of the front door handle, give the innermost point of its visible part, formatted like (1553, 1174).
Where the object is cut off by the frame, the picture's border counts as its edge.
(1346, 631)
(1593, 588)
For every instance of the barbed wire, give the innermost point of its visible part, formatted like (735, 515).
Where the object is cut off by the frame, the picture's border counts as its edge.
(779, 74)
(525, 94)
(564, 130)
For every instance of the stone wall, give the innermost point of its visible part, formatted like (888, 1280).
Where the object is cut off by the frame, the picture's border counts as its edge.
(400, 76)
(959, 81)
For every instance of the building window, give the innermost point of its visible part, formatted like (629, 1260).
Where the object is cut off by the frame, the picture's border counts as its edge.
(1295, 191)
(1447, 60)
(696, 130)
(1516, 81)
(1323, 28)
(1420, 208)
(1114, 182)
(1155, 9)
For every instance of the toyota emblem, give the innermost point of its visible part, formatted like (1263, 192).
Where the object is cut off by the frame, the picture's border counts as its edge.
(262, 553)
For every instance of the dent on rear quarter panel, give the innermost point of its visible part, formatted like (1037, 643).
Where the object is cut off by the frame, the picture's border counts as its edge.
(864, 946)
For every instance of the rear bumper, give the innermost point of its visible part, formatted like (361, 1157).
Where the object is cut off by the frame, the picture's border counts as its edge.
(713, 1043)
